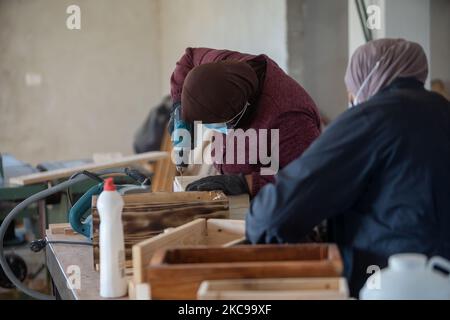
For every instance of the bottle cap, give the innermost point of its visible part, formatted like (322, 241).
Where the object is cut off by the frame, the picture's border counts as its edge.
(109, 185)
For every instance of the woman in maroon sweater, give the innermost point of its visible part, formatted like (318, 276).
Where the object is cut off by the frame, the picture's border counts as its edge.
(246, 92)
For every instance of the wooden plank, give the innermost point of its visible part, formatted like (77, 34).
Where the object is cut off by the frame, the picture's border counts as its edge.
(224, 232)
(198, 232)
(192, 255)
(239, 204)
(165, 169)
(146, 215)
(143, 251)
(65, 173)
(58, 228)
(177, 273)
(275, 289)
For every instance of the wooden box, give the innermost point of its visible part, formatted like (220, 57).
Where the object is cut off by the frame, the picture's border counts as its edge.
(146, 215)
(177, 273)
(274, 289)
(207, 232)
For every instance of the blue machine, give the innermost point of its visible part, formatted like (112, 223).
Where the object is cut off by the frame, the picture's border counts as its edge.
(80, 217)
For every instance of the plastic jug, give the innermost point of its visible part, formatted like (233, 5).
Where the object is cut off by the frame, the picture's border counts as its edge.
(409, 277)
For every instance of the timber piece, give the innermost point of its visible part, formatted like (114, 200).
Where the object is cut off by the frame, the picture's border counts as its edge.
(61, 228)
(178, 273)
(67, 172)
(146, 215)
(165, 169)
(275, 289)
(239, 204)
(212, 232)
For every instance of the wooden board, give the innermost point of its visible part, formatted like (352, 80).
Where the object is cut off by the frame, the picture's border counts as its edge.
(239, 205)
(212, 232)
(165, 169)
(178, 273)
(274, 289)
(65, 173)
(146, 215)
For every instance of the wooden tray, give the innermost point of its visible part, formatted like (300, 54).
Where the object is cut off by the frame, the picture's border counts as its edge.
(146, 215)
(274, 289)
(177, 273)
(211, 232)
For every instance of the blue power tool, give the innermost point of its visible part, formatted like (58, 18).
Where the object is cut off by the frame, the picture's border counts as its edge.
(182, 144)
(80, 217)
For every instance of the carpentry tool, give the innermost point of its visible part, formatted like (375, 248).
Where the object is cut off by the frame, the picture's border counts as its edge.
(77, 216)
(181, 147)
(80, 217)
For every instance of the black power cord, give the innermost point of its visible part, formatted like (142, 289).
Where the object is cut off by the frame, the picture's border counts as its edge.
(38, 245)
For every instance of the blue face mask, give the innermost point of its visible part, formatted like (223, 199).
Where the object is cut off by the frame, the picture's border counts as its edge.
(218, 127)
(223, 127)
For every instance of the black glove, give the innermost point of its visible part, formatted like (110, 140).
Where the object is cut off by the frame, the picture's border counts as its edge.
(231, 185)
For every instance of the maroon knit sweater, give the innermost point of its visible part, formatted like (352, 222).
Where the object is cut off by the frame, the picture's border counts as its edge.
(283, 104)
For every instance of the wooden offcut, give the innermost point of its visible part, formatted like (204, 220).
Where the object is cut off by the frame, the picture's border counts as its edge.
(275, 289)
(206, 232)
(65, 173)
(146, 215)
(178, 273)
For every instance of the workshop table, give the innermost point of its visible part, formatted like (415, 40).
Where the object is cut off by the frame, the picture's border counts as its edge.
(66, 261)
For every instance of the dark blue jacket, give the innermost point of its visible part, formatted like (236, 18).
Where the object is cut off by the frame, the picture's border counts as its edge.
(380, 174)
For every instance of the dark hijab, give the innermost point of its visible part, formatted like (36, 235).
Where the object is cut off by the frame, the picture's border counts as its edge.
(217, 92)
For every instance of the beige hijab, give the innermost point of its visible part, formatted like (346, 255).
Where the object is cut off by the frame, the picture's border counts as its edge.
(376, 64)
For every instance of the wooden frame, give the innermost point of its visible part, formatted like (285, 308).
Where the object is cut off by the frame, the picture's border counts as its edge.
(146, 215)
(177, 273)
(216, 232)
(275, 289)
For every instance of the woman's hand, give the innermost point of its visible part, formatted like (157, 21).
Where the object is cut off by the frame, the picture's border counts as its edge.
(230, 184)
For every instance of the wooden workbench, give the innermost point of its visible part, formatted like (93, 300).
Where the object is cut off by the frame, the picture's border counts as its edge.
(60, 261)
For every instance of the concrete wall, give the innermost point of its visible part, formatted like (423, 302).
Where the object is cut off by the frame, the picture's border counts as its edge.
(66, 94)
(252, 26)
(355, 31)
(440, 40)
(411, 20)
(424, 21)
(96, 84)
(318, 50)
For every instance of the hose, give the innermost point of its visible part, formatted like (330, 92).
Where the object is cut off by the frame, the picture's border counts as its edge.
(21, 206)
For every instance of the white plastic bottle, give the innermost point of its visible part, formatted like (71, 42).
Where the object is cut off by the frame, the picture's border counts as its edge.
(113, 283)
